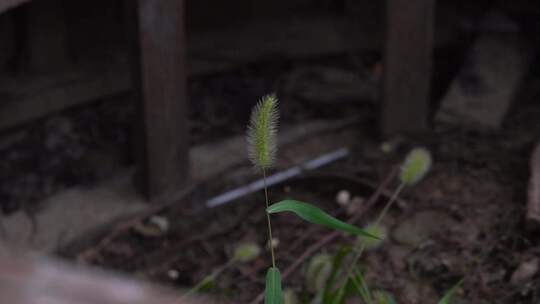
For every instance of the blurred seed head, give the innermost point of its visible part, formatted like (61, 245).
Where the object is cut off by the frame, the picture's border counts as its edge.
(416, 166)
(246, 252)
(377, 230)
(262, 132)
(318, 272)
(290, 297)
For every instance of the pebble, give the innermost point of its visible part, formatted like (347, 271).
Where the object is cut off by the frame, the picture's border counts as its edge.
(161, 222)
(173, 274)
(343, 198)
(525, 271)
(274, 243)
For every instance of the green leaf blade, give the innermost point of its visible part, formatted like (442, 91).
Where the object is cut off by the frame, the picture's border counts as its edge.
(273, 293)
(315, 215)
(360, 284)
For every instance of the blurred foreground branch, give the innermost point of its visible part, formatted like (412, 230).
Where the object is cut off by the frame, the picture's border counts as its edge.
(32, 279)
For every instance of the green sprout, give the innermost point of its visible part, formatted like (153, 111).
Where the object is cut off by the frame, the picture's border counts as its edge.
(415, 167)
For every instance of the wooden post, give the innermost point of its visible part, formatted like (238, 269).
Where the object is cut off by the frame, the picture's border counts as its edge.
(46, 36)
(533, 202)
(407, 66)
(161, 86)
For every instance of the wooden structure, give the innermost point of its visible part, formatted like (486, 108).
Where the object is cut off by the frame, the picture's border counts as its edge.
(161, 81)
(407, 66)
(159, 78)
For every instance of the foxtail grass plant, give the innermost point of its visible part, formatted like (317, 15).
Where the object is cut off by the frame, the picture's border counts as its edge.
(262, 148)
(416, 165)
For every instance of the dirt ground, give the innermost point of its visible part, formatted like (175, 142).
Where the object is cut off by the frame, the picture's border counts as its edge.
(465, 220)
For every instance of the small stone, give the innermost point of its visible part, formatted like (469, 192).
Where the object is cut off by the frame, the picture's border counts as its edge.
(161, 222)
(343, 198)
(148, 230)
(274, 243)
(173, 274)
(525, 271)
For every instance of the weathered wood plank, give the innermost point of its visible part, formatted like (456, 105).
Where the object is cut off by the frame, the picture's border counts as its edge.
(9, 4)
(210, 51)
(28, 98)
(407, 66)
(161, 82)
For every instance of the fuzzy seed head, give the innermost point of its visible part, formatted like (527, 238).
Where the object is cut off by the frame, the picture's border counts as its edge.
(290, 297)
(246, 252)
(416, 165)
(318, 271)
(262, 132)
(377, 230)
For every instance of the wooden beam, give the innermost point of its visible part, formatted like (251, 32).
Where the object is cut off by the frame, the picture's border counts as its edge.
(407, 66)
(161, 84)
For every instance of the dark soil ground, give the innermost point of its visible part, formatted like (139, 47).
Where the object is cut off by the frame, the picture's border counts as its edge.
(468, 213)
(465, 220)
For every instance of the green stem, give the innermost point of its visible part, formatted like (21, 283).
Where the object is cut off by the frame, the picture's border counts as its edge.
(390, 203)
(270, 242)
(358, 254)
